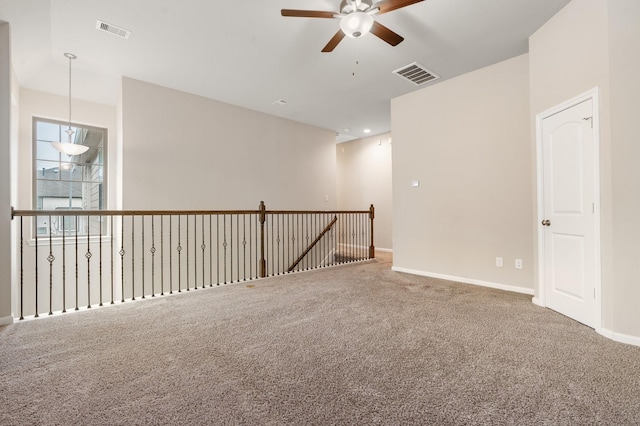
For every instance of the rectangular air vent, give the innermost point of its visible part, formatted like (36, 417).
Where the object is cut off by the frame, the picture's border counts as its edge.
(416, 73)
(112, 29)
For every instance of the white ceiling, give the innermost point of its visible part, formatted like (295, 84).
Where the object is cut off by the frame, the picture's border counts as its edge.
(245, 53)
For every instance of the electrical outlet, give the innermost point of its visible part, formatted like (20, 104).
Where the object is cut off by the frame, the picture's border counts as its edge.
(499, 262)
(518, 263)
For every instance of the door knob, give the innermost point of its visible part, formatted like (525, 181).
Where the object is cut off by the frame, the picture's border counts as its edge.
(546, 222)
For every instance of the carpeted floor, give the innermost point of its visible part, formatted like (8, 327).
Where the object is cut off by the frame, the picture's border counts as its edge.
(355, 344)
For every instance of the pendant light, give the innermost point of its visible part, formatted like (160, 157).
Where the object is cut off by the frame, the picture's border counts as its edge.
(69, 148)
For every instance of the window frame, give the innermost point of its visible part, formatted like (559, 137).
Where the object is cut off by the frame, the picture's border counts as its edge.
(104, 184)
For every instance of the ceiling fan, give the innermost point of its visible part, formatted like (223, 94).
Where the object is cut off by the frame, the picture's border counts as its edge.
(356, 19)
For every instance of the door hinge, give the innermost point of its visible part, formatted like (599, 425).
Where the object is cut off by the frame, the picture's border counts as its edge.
(590, 119)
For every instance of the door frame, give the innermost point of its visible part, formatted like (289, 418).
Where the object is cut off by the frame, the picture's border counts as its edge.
(540, 300)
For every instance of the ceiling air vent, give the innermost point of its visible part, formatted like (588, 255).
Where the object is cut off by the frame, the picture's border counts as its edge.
(112, 29)
(416, 73)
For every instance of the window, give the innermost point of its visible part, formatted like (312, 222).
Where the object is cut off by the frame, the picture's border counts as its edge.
(68, 182)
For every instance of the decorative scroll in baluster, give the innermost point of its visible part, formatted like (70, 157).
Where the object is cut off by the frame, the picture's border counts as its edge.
(88, 255)
(187, 245)
(224, 248)
(122, 253)
(50, 259)
(153, 258)
(162, 255)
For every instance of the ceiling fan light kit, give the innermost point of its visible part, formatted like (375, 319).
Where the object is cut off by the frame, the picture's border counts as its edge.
(356, 19)
(356, 24)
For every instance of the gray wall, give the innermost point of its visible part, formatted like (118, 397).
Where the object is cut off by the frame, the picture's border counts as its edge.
(5, 174)
(364, 177)
(188, 152)
(466, 140)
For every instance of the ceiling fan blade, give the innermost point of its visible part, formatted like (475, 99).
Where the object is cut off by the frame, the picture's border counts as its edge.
(307, 13)
(337, 38)
(386, 34)
(389, 5)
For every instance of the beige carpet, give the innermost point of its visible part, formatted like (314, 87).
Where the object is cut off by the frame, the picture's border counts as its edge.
(355, 344)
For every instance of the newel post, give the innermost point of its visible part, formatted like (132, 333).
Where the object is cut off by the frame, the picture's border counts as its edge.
(372, 249)
(263, 218)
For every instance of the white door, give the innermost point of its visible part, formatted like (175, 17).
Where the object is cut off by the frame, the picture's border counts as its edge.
(569, 198)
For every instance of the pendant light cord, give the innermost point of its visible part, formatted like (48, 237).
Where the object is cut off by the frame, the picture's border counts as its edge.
(71, 56)
(69, 94)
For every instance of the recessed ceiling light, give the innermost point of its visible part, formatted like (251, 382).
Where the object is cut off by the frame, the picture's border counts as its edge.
(367, 130)
(280, 102)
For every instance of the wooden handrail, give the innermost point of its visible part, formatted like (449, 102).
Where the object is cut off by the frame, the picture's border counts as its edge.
(324, 231)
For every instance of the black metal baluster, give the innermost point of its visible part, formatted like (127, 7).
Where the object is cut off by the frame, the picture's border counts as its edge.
(76, 231)
(100, 257)
(162, 255)
(195, 252)
(122, 253)
(133, 258)
(224, 246)
(36, 269)
(210, 251)
(203, 247)
(88, 256)
(233, 241)
(22, 268)
(179, 248)
(110, 253)
(64, 267)
(251, 276)
(50, 259)
(170, 254)
(217, 249)
(153, 257)
(187, 262)
(143, 256)
(244, 247)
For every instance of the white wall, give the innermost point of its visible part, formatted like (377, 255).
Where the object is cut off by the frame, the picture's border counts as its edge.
(466, 140)
(5, 174)
(183, 151)
(364, 177)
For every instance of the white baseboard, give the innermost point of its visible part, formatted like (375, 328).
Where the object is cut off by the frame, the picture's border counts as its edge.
(386, 250)
(619, 337)
(537, 301)
(6, 321)
(505, 287)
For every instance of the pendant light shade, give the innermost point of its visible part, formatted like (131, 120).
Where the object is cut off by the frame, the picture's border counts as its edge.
(70, 148)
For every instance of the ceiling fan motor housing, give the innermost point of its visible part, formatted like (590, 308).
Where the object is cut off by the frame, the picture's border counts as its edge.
(348, 6)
